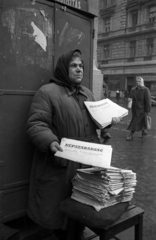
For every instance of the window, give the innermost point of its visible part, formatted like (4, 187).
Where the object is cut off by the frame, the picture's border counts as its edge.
(101, 4)
(134, 16)
(106, 51)
(113, 2)
(132, 49)
(152, 15)
(107, 22)
(105, 3)
(149, 45)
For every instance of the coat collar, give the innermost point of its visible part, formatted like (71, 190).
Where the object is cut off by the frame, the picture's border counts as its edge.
(136, 91)
(140, 88)
(73, 90)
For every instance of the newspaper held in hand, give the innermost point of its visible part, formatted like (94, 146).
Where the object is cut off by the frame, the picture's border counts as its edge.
(104, 110)
(87, 153)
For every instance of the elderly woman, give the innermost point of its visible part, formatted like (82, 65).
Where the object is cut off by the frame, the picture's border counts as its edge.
(141, 106)
(58, 111)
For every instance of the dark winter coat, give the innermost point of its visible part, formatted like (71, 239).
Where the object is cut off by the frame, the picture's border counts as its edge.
(141, 106)
(141, 100)
(56, 112)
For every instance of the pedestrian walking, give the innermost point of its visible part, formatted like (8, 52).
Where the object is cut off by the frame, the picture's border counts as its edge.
(141, 107)
(58, 111)
(104, 92)
(126, 95)
(109, 94)
(117, 95)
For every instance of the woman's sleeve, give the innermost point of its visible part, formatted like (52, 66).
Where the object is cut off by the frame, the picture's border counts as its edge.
(147, 100)
(38, 126)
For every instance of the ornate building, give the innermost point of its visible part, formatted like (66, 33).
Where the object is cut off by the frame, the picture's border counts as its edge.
(127, 43)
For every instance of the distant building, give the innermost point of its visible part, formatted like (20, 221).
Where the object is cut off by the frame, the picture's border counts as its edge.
(127, 43)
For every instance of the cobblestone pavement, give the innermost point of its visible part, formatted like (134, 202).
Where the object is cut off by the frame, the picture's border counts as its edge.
(139, 156)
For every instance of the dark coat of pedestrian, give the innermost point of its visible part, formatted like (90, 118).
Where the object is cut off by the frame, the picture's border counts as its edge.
(57, 111)
(126, 94)
(141, 106)
(117, 95)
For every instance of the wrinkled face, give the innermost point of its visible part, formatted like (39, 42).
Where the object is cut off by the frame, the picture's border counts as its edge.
(138, 81)
(76, 70)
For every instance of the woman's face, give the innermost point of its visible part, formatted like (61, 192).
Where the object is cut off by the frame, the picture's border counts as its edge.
(76, 71)
(139, 82)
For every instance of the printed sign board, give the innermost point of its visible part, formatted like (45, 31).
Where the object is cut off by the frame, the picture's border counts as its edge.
(80, 4)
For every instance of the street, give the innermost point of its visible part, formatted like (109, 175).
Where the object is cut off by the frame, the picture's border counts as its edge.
(139, 156)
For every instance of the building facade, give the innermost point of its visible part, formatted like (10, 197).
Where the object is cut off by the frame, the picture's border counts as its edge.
(127, 43)
(97, 87)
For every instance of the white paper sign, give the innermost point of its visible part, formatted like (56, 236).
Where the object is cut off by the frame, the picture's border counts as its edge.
(84, 152)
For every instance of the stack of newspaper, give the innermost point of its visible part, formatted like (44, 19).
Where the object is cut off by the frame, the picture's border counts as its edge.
(104, 110)
(103, 187)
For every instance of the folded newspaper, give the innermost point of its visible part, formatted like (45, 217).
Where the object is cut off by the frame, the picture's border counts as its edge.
(104, 110)
(103, 187)
(87, 153)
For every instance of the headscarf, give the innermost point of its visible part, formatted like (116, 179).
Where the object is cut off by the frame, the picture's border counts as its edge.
(61, 72)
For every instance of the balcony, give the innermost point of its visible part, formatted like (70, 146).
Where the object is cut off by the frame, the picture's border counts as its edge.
(148, 58)
(102, 35)
(139, 1)
(105, 61)
(131, 59)
(149, 25)
(132, 3)
(144, 28)
(132, 29)
(108, 7)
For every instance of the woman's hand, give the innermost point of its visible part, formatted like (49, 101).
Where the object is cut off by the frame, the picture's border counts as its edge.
(55, 146)
(116, 120)
(58, 161)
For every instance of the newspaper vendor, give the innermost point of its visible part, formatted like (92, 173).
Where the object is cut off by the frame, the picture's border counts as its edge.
(58, 111)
